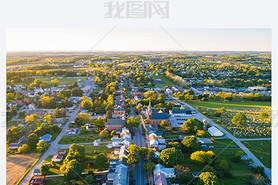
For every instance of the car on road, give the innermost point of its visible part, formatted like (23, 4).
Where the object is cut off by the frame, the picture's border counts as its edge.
(211, 146)
(204, 146)
(142, 134)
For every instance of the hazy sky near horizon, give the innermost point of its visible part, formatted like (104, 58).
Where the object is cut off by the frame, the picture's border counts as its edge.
(127, 39)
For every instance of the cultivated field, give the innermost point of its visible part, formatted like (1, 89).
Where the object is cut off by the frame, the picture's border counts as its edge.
(17, 165)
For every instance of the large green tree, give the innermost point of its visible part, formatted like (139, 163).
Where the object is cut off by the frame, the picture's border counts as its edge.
(71, 169)
(189, 144)
(170, 157)
(239, 119)
(208, 178)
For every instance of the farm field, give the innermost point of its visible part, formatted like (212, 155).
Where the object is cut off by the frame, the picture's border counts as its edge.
(261, 149)
(166, 81)
(17, 165)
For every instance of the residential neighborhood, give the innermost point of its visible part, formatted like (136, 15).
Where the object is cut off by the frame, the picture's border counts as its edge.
(140, 119)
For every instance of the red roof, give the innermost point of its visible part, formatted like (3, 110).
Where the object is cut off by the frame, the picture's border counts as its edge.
(57, 156)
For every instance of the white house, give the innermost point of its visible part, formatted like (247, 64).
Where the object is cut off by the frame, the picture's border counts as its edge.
(97, 142)
(168, 172)
(57, 157)
(214, 131)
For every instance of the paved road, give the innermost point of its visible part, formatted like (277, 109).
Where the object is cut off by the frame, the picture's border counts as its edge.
(54, 145)
(140, 175)
(255, 139)
(230, 136)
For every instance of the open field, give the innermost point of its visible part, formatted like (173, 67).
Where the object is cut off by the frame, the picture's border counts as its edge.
(211, 104)
(261, 149)
(17, 165)
(63, 81)
(83, 138)
(166, 81)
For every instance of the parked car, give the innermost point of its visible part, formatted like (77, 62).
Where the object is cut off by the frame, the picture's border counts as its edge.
(211, 146)
(204, 146)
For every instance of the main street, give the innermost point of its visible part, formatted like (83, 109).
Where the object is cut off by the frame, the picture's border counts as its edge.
(230, 136)
(54, 145)
(140, 176)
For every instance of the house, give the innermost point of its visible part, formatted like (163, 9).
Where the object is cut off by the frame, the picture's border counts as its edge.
(160, 179)
(37, 179)
(37, 172)
(214, 131)
(57, 157)
(62, 151)
(155, 118)
(23, 124)
(97, 142)
(121, 175)
(19, 143)
(72, 131)
(115, 124)
(46, 137)
(119, 111)
(168, 172)
(204, 140)
(116, 142)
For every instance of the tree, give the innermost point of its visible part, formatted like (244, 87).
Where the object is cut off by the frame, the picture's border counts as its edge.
(220, 111)
(192, 125)
(57, 112)
(222, 165)
(151, 155)
(132, 157)
(239, 119)
(32, 118)
(42, 146)
(44, 169)
(200, 133)
(132, 122)
(109, 114)
(87, 104)
(82, 118)
(113, 133)
(174, 144)
(63, 113)
(104, 133)
(24, 148)
(189, 144)
(208, 178)
(53, 163)
(32, 140)
(149, 167)
(170, 157)
(143, 152)
(101, 159)
(202, 156)
(89, 179)
(71, 169)
(163, 123)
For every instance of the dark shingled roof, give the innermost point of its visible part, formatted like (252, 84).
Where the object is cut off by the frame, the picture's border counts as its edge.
(115, 122)
(179, 111)
(159, 116)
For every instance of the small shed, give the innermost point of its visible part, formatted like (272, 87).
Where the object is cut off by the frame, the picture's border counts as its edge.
(57, 157)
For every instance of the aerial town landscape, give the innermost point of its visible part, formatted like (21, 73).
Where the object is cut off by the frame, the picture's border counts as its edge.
(138, 118)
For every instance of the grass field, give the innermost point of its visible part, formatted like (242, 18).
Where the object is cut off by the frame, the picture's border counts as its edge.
(211, 104)
(83, 138)
(261, 149)
(166, 81)
(63, 81)
(17, 165)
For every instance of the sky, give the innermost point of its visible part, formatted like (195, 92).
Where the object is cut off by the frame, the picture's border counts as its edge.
(131, 39)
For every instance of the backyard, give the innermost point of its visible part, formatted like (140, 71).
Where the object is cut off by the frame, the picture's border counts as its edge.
(82, 138)
(167, 82)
